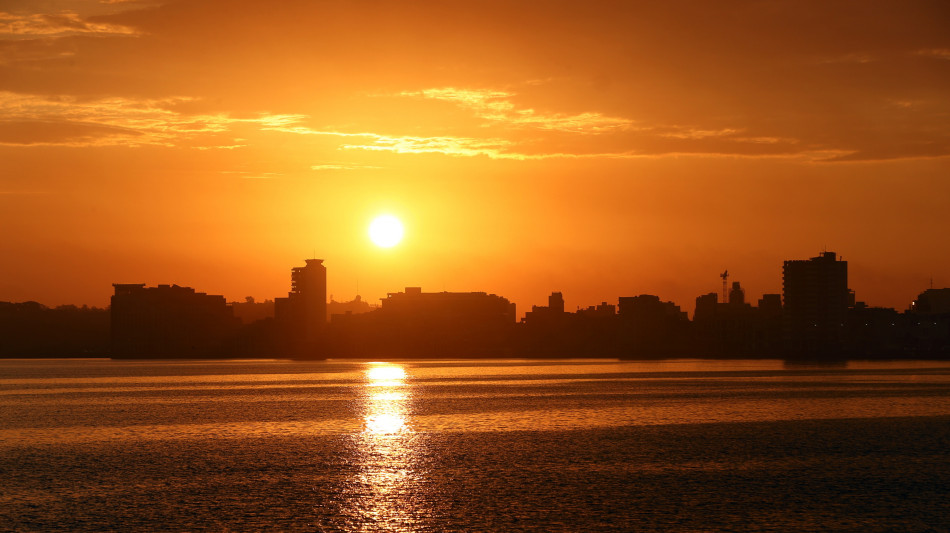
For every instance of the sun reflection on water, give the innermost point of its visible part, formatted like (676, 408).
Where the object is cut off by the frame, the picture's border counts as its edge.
(386, 400)
(386, 486)
(386, 375)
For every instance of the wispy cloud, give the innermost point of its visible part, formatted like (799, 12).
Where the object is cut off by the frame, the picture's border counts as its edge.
(507, 149)
(855, 57)
(685, 132)
(454, 146)
(14, 25)
(496, 106)
(118, 121)
(765, 140)
(939, 53)
(36, 120)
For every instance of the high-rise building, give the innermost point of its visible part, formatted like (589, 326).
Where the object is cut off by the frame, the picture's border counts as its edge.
(303, 313)
(736, 295)
(815, 300)
(931, 302)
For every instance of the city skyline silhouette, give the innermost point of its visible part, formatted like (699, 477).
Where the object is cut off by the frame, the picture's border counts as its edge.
(817, 316)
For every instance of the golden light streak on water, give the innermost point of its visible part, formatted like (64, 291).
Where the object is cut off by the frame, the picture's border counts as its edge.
(388, 475)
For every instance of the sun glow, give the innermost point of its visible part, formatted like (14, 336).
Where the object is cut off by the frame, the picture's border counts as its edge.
(385, 231)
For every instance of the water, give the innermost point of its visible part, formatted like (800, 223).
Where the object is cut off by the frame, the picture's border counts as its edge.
(473, 446)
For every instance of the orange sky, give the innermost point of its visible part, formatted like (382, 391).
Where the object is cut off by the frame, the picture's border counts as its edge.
(597, 148)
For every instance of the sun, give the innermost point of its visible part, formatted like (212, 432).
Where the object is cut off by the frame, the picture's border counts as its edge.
(385, 231)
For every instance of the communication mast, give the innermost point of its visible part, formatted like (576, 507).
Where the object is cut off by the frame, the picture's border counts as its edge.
(724, 276)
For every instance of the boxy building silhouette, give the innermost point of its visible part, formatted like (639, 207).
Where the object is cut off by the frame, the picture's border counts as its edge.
(816, 296)
(168, 321)
(428, 324)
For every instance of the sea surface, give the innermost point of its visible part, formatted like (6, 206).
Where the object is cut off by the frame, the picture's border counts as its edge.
(498, 445)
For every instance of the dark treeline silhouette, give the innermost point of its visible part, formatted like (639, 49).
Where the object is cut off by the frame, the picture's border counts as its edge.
(816, 318)
(29, 329)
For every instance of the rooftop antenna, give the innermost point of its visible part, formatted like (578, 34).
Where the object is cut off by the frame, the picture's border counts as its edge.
(724, 276)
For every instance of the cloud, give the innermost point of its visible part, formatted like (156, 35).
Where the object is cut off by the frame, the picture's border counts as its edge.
(681, 132)
(448, 145)
(456, 146)
(496, 106)
(858, 58)
(646, 80)
(119, 121)
(56, 25)
(64, 132)
(922, 150)
(938, 53)
(675, 141)
(571, 134)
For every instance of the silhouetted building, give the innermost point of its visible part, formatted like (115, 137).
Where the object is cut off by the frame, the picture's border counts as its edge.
(874, 331)
(928, 324)
(648, 306)
(449, 307)
(650, 327)
(816, 296)
(439, 324)
(706, 307)
(547, 331)
(931, 302)
(250, 311)
(603, 310)
(353, 307)
(770, 305)
(302, 315)
(769, 312)
(168, 321)
(552, 313)
(556, 302)
(735, 328)
(736, 294)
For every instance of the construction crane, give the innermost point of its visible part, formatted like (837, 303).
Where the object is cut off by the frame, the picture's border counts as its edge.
(724, 276)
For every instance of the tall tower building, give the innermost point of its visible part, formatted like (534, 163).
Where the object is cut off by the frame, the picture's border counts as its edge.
(556, 302)
(815, 301)
(304, 311)
(737, 294)
(309, 284)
